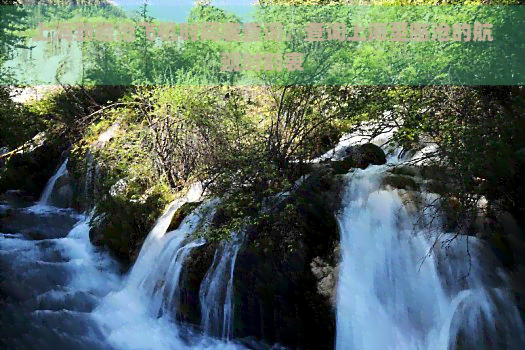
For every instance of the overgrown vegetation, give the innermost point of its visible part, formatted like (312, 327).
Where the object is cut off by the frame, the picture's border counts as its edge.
(250, 143)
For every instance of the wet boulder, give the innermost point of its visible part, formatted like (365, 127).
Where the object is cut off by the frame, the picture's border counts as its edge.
(400, 181)
(356, 156)
(181, 213)
(359, 156)
(62, 193)
(285, 273)
(17, 198)
(30, 167)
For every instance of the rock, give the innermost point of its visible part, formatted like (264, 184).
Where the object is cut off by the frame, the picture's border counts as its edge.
(192, 275)
(119, 188)
(17, 198)
(121, 225)
(412, 200)
(108, 231)
(514, 237)
(357, 156)
(5, 210)
(30, 167)
(62, 193)
(435, 172)
(369, 154)
(181, 213)
(65, 197)
(408, 170)
(285, 276)
(501, 248)
(279, 297)
(509, 224)
(400, 181)
(327, 276)
(520, 155)
(35, 226)
(433, 179)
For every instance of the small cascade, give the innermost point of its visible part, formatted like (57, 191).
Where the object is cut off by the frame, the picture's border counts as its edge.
(151, 289)
(45, 198)
(216, 291)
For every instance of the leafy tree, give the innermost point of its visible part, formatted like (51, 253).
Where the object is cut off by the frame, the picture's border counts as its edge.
(13, 19)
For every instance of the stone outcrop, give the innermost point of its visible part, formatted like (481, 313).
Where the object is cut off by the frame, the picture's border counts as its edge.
(282, 287)
(29, 168)
(286, 272)
(122, 226)
(358, 156)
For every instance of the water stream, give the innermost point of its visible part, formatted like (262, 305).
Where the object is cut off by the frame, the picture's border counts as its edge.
(216, 291)
(46, 194)
(394, 291)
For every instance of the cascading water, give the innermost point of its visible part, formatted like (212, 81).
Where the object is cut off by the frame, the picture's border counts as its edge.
(393, 294)
(216, 291)
(140, 315)
(45, 198)
(63, 293)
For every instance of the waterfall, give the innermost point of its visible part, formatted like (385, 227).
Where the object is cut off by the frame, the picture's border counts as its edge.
(394, 294)
(149, 297)
(90, 181)
(216, 291)
(44, 199)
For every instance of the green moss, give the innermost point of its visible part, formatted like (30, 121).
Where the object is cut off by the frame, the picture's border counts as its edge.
(181, 213)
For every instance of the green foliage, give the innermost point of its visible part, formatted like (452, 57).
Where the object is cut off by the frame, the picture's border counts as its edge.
(13, 20)
(476, 130)
(17, 124)
(144, 61)
(60, 10)
(71, 109)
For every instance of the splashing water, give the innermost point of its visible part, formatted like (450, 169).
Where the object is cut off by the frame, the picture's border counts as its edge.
(393, 294)
(140, 315)
(45, 198)
(216, 291)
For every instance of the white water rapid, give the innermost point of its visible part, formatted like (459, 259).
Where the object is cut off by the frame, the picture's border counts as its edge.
(57, 291)
(393, 294)
(62, 292)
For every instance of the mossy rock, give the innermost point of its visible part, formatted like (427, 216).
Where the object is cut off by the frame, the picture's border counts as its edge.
(276, 283)
(122, 225)
(408, 170)
(30, 170)
(181, 213)
(358, 156)
(400, 181)
(276, 289)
